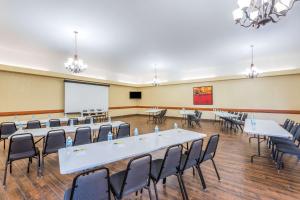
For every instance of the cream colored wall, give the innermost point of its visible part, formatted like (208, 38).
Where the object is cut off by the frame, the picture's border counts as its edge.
(277, 93)
(25, 92)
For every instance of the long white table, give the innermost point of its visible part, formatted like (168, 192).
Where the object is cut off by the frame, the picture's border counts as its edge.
(260, 127)
(152, 112)
(44, 121)
(185, 113)
(42, 132)
(225, 114)
(80, 158)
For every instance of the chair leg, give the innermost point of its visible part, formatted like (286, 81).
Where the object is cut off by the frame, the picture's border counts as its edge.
(4, 144)
(182, 186)
(42, 166)
(201, 177)
(149, 192)
(10, 167)
(216, 169)
(28, 165)
(5, 173)
(39, 166)
(193, 171)
(164, 181)
(155, 189)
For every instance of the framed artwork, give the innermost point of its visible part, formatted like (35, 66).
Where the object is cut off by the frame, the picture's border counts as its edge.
(203, 95)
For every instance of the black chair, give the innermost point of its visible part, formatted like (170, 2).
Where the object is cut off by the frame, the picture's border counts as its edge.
(103, 132)
(34, 124)
(134, 178)
(55, 140)
(286, 123)
(83, 135)
(21, 146)
(194, 118)
(6, 129)
(170, 165)
(91, 185)
(123, 130)
(210, 152)
(160, 117)
(87, 120)
(191, 159)
(290, 126)
(54, 123)
(75, 121)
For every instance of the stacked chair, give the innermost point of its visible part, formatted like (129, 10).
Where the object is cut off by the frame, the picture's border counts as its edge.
(283, 146)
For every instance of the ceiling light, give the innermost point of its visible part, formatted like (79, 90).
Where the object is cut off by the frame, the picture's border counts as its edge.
(75, 65)
(252, 73)
(257, 13)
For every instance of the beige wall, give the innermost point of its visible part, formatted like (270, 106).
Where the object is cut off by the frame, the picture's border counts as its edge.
(277, 93)
(25, 92)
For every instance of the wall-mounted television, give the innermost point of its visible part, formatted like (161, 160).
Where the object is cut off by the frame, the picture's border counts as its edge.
(135, 95)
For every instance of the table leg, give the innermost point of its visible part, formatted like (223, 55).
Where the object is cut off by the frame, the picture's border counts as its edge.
(258, 148)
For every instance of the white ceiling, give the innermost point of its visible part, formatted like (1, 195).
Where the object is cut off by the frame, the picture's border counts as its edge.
(122, 40)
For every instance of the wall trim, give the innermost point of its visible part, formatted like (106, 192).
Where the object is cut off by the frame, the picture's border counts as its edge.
(36, 112)
(31, 112)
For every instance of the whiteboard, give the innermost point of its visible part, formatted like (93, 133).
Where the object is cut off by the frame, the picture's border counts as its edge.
(85, 96)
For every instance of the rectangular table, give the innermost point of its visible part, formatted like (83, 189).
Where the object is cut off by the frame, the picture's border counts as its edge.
(84, 157)
(152, 112)
(185, 113)
(262, 127)
(44, 121)
(42, 132)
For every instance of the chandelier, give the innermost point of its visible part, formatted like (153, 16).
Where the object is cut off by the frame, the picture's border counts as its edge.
(155, 81)
(75, 65)
(252, 73)
(258, 13)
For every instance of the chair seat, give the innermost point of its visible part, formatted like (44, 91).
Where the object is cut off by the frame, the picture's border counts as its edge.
(116, 181)
(67, 194)
(4, 136)
(294, 150)
(155, 168)
(51, 150)
(281, 141)
(27, 154)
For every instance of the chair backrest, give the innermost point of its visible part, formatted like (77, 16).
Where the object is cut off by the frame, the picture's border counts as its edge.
(55, 140)
(244, 116)
(290, 126)
(286, 123)
(54, 123)
(297, 135)
(294, 129)
(83, 136)
(198, 115)
(240, 116)
(7, 128)
(91, 185)
(124, 130)
(137, 174)
(87, 120)
(103, 132)
(193, 154)
(171, 162)
(75, 121)
(21, 146)
(211, 147)
(33, 124)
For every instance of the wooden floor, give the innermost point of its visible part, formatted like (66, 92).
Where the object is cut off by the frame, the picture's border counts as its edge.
(241, 179)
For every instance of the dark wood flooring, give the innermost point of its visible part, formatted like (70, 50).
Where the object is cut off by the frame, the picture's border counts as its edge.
(241, 179)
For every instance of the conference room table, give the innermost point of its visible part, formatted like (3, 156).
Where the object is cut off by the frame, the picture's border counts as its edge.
(42, 132)
(225, 114)
(185, 113)
(44, 121)
(262, 127)
(152, 112)
(88, 156)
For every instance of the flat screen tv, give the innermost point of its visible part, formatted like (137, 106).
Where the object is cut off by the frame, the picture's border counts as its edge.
(135, 95)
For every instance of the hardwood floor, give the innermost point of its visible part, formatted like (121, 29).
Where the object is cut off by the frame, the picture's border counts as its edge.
(241, 179)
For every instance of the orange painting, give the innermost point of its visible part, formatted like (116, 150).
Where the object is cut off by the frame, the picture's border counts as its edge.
(203, 95)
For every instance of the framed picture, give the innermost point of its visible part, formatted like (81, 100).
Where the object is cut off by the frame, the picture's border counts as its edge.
(203, 95)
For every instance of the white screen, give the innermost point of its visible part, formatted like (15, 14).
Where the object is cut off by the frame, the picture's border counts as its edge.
(81, 96)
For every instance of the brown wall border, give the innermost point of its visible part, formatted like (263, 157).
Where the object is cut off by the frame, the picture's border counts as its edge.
(34, 112)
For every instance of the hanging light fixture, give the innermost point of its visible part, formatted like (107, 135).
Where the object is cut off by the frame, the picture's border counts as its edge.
(252, 73)
(155, 82)
(257, 13)
(75, 65)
